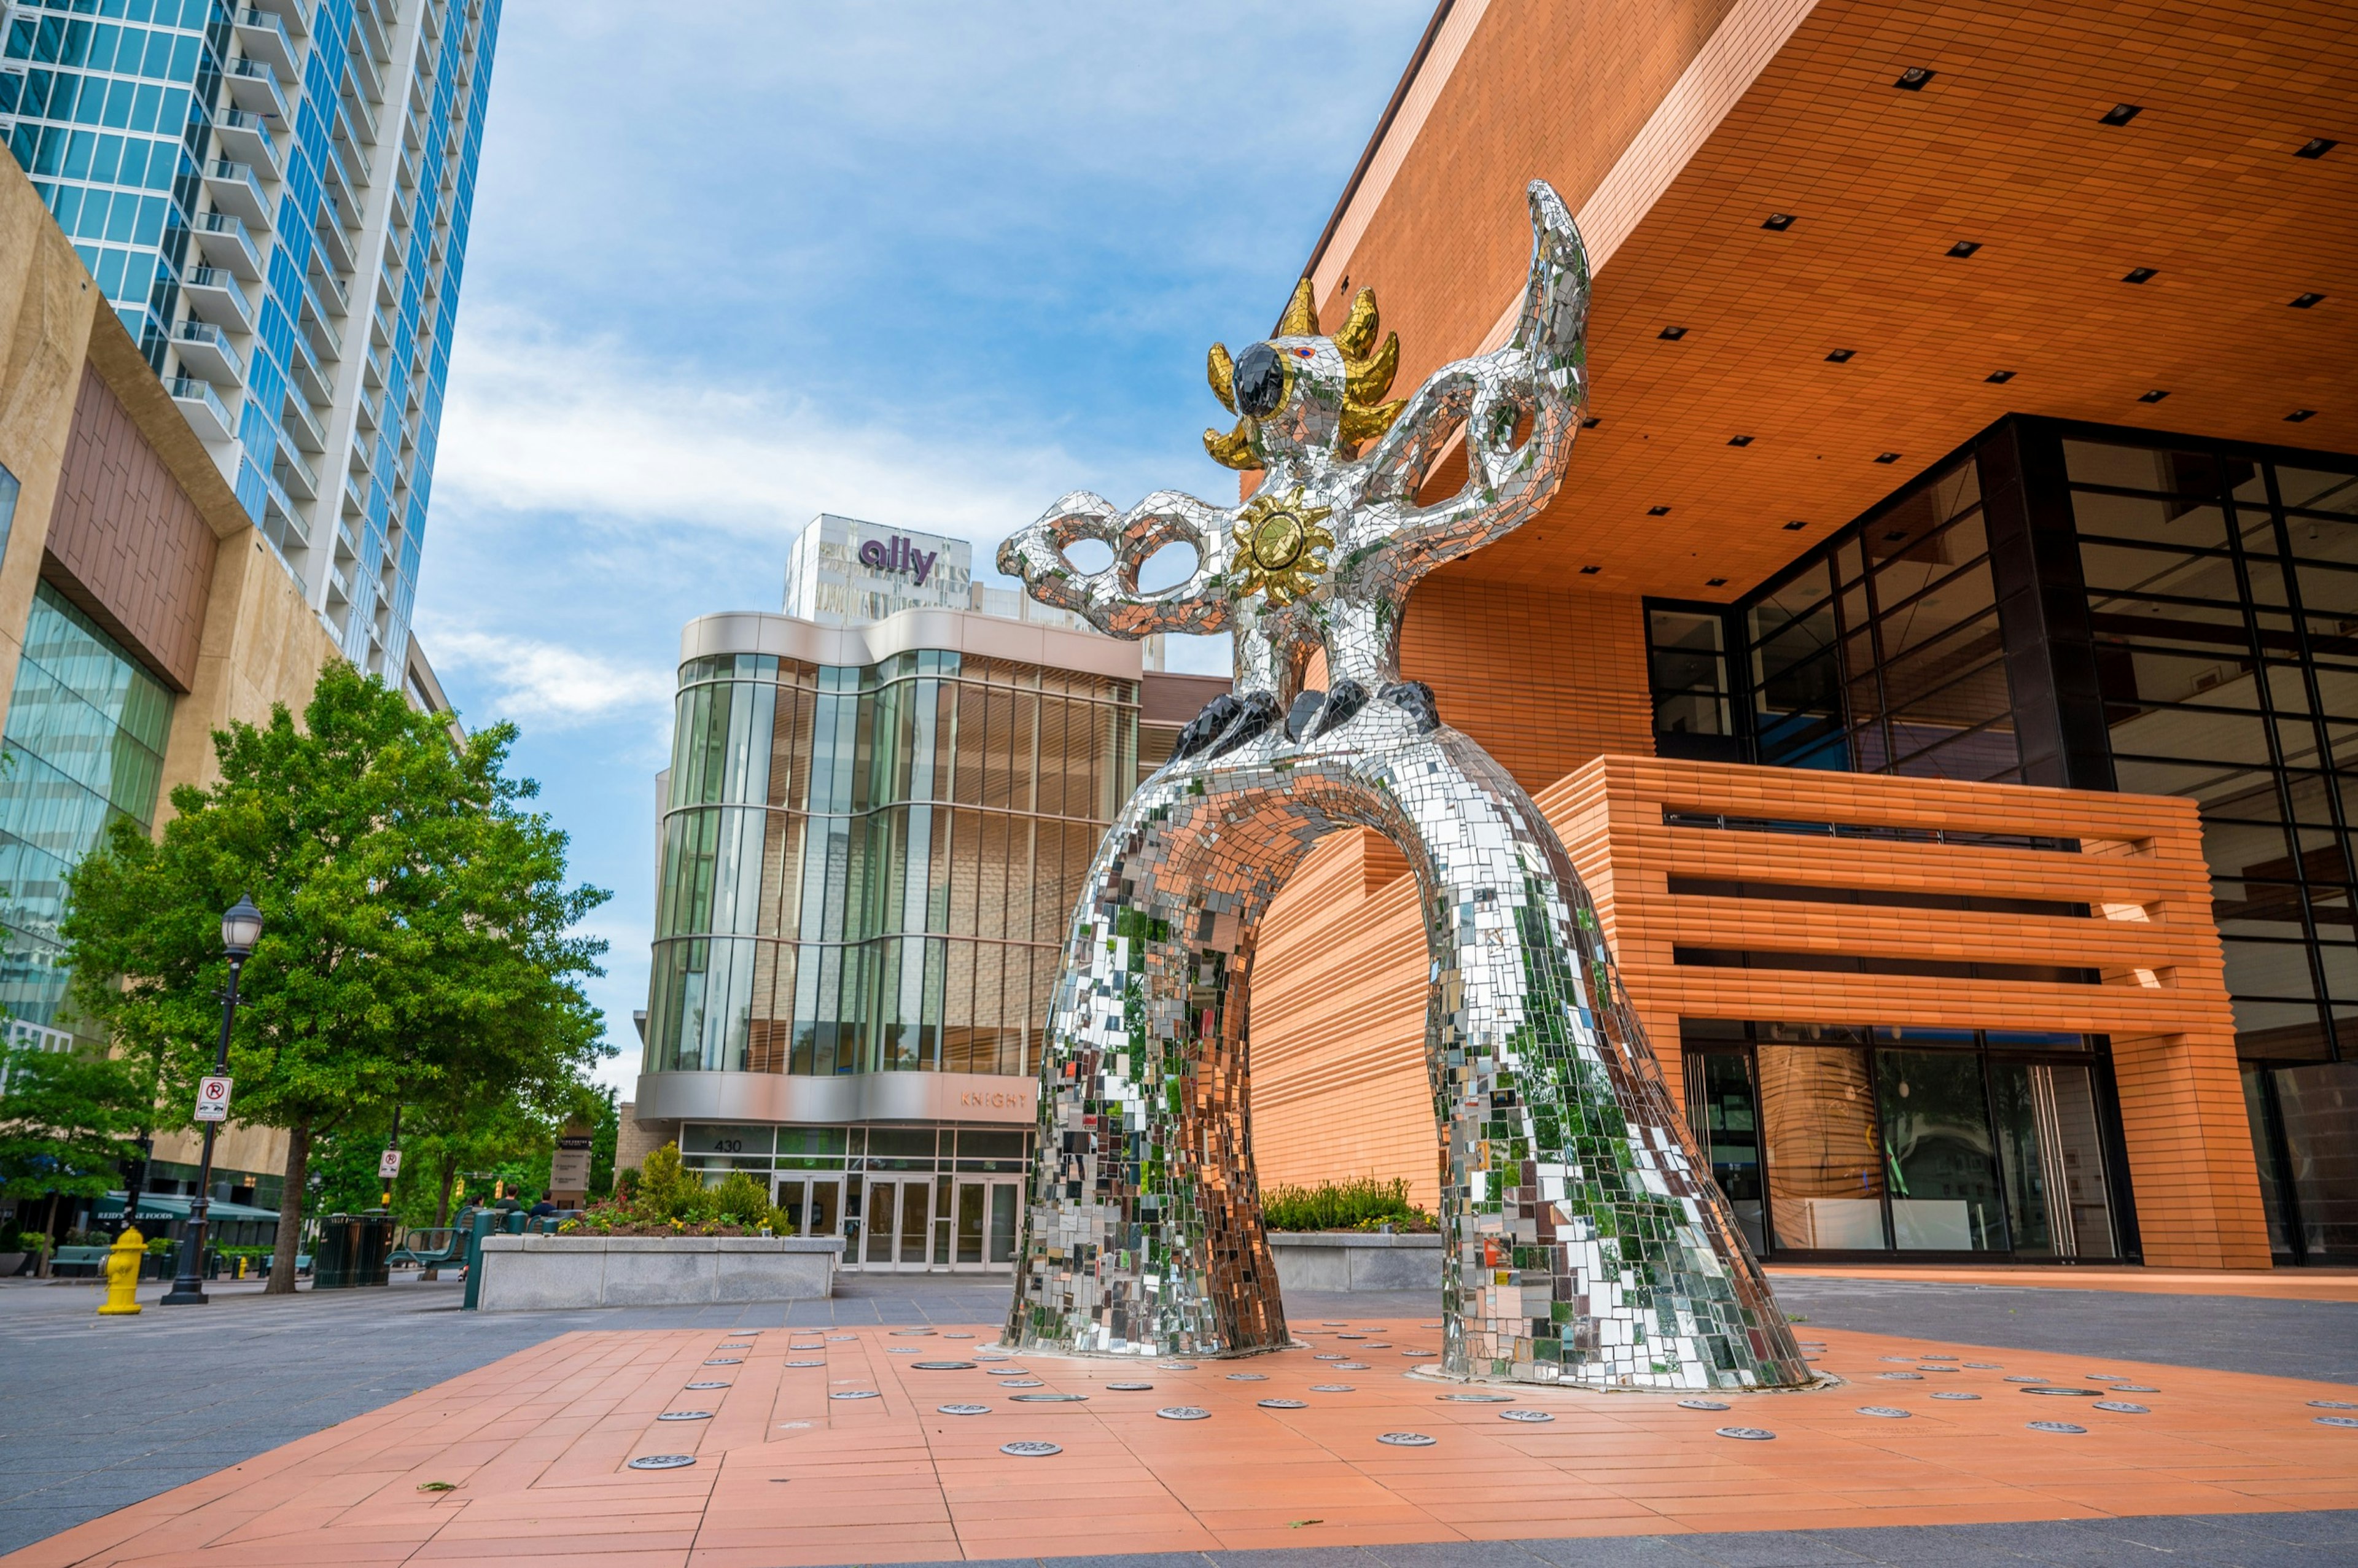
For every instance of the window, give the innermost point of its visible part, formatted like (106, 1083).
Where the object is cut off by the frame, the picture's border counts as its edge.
(1687, 662)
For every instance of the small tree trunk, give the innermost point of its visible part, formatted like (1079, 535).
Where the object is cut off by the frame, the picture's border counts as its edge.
(290, 1213)
(442, 1209)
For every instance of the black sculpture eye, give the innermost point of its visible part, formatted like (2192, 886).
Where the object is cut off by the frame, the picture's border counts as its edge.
(1260, 381)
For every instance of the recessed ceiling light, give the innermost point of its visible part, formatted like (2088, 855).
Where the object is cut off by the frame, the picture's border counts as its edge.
(1716, 582)
(1739, 440)
(2120, 114)
(1964, 248)
(2298, 415)
(1839, 356)
(1590, 571)
(1778, 222)
(1671, 334)
(1999, 377)
(1889, 458)
(2155, 395)
(1795, 526)
(1913, 78)
(2316, 146)
(1658, 512)
(2303, 302)
(2138, 274)
(1590, 424)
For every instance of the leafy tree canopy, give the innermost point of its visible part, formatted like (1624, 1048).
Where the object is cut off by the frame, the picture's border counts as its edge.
(417, 944)
(67, 1117)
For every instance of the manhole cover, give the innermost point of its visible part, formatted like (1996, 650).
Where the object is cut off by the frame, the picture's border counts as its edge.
(1246, 1378)
(1376, 1345)
(1350, 1336)
(1955, 1394)
(726, 1361)
(2337, 1420)
(964, 1410)
(2135, 1389)
(1350, 1365)
(1421, 1353)
(1031, 1449)
(1019, 1383)
(2332, 1405)
(1184, 1412)
(840, 1338)
(801, 1363)
(1701, 1405)
(1895, 1357)
(2054, 1426)
(1533, 1416)
(2018, 1378)
(911, 1333)
(685, 1415)
(854, 1394)
(1331, 1388)
(1889, 1412)
(1006, 1372)
(957, 1336)
(2061, 1392)
(941, 1366)
(2102, 1377)
(1902, 1377)
(1283, 1404)
(707, 1385)
(1327, 1356)
(1984, 1366)
(1476, 1399)
(1747, 1434)
(2120, 1407)
(662, 1460)
(1405, 1439)
(1176, 1366)
(1049, 1399)
(1129, 1388)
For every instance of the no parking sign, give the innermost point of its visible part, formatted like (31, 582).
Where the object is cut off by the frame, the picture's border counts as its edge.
(212, 1099)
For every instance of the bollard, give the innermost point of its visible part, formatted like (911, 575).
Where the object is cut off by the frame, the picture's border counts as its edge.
(481, 1226)
(123, 1274)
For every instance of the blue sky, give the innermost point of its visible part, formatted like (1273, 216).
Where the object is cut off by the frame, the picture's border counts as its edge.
(932, 266)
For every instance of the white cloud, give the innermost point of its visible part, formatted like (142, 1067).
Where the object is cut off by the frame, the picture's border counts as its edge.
(532, 680)
(541, 423)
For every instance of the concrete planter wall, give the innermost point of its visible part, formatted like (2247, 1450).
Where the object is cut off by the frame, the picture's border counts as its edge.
(542, 1273)
(1355, 1260)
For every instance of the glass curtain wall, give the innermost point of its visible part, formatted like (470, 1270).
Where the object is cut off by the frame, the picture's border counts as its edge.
(1836, 1137)
(870, 869)
(83, 745)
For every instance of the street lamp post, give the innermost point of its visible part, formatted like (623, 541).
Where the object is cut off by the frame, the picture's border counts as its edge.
(241, 929)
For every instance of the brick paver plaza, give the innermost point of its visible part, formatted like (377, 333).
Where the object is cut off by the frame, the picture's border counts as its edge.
(534, 1451)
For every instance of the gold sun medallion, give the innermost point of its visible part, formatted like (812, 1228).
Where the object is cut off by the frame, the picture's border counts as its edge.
(1278, 540)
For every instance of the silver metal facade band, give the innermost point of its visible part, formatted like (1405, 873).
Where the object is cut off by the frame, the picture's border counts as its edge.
(1586, 1239)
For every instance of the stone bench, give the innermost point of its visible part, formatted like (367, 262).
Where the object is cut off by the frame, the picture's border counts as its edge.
(525, 1273)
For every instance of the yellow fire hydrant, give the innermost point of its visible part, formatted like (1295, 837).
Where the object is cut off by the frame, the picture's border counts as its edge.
(122, 1274)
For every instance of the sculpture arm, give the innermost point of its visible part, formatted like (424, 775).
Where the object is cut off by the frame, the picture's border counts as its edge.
(1110, 599)
(1516, 405)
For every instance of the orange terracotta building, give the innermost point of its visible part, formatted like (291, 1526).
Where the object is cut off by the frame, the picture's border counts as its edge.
(1942, 660)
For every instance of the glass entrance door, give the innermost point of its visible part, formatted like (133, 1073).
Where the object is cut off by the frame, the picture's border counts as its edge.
(983, 1234)
(895, 1229)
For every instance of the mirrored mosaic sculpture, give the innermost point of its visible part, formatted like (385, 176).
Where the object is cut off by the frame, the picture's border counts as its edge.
(1585, 1240)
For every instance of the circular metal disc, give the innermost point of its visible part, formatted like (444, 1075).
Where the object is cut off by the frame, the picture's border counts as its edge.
(2060, 1391)
(1328, 1356)
(1176, 1366)
(1406, 1439)
(854, 1394)
(941, 1366)
(1889, 1412)
(1284, 1404)
(707, 1385)
(726, 1361)
(2120, 1407)
(1248, 1378)
(2135, 1389)
(1902, 1377)
(1031, 1449)
(1050, 1399)
(1955, 1394)
(1533, 1416)
(964, 1410)
(1476, 1399)
(801, 1363)
(1901, 1359)
(1330, 1388)
(1006, 1372)
(662, 1460)
(1747, 1434)
(2337, 1420)
(1019, 1382)
(1184, 1412)
(1350, 1365)
(1701, 1405)
(1419, 1353)
(685, 1415)
(1984, 1366)
(911, 1333)
(1129, 1388)
(2054, 1426)
(2332, 1405)
(2018, 1378)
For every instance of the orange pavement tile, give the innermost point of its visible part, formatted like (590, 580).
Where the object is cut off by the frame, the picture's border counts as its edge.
(889, 1480)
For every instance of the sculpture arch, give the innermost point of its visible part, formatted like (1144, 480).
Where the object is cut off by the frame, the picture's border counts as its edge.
(1585, 1240)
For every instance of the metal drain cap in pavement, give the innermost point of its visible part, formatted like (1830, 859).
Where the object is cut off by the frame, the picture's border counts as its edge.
(854, 1394)
(662, 1460)
(1176, 1366)
(1248, 1378)
(1955, 1394)
(1701, 1405)
(2135, 1389)
(1327, 1356)
(964, 1410)
(1747, 1434)
(1406, 1439)
(1350, 1365)
(1331, 1388)
(941, 1366)
(1477, 1399)
(1984, 1366)
(1019, 1382)
(726, 1361)
(707, 1385)
(911, 1333)
(2054, 1426)
(2019, 1378)
(1050, 1399)
(2332, 1405)
(2062, 1392)
(1129, 1388)
(1284, 1404)
(2337, 1420)
(1184, 1412)
(2120, 1407)
(1031, 1449)
(1889, 1412)
(802, 1363)
(1902, 1359)
(1533, 1416)
(685, 1415)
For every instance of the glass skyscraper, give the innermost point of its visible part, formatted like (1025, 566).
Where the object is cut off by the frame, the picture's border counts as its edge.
(275, 198)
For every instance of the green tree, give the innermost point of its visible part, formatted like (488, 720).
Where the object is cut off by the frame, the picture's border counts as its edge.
(67, 1119)
(417, 944)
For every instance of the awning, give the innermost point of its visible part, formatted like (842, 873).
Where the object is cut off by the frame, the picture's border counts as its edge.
(175, 1205)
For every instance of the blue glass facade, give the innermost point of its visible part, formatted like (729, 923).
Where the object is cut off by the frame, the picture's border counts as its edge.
(275, 197)
(84, 744)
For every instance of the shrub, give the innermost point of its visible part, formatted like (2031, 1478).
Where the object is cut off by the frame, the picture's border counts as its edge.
(742, 1199)
(665, 1198)
(1362, 1204)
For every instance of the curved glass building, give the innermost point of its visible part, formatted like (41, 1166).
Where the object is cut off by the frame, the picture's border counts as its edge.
(872, 840)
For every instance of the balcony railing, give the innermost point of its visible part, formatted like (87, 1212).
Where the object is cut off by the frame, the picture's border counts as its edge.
(254, 85)
(223, 239)
(205, 349)
(265, 38)
(207, 414)
(236, 190)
